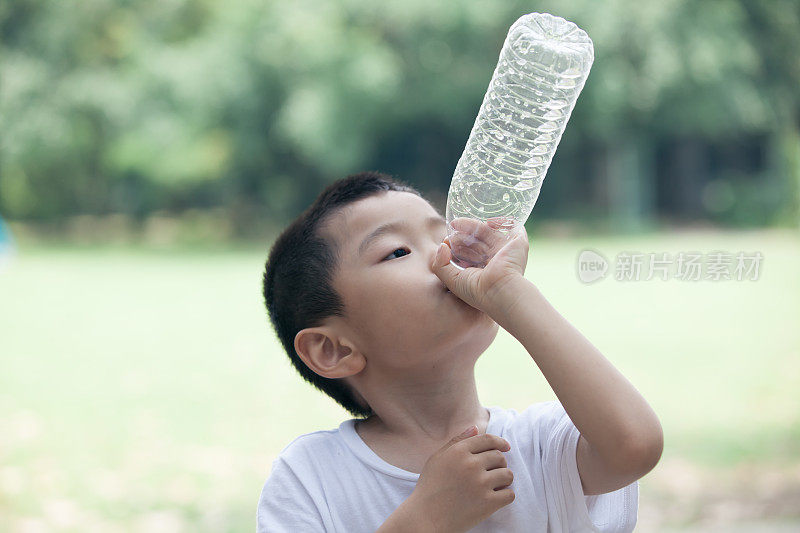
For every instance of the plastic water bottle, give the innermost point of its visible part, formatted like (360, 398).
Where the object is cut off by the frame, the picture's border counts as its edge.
(543, 66)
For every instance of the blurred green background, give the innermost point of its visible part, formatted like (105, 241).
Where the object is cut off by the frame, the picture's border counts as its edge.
(151, 151)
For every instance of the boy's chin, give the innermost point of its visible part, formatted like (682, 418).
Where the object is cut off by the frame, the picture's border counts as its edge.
(483, 317)
(479, 336)
(474, 315)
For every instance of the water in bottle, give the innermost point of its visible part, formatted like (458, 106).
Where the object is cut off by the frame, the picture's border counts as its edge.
(543, 66)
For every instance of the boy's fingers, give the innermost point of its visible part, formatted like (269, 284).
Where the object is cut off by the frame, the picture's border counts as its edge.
(489, 235)
(469, 250)
(503, 222)
(442, 266)
(453, 277)
(487, 441)
(472, 430)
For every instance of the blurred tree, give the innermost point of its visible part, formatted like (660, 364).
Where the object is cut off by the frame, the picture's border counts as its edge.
(774, 28)
(135, 105)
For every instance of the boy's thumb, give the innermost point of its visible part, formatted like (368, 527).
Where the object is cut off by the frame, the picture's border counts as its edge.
(442, 266)
(470, 431)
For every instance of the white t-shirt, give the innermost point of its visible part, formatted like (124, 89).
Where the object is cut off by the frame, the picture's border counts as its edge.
(332, 481)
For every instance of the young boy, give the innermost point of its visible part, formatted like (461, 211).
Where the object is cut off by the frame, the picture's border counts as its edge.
(370, 311)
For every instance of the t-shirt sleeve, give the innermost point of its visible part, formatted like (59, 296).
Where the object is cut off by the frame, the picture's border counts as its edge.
(286, 505)
(568, 508)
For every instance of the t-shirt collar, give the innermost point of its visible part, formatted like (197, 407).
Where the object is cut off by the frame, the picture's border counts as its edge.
(347, 430)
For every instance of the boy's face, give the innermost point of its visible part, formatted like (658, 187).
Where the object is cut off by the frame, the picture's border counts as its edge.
(399, 313)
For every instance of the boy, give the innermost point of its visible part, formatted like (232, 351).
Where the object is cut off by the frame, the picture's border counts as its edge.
(367, 306)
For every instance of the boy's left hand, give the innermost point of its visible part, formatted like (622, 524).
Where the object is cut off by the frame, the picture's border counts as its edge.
(483, 288)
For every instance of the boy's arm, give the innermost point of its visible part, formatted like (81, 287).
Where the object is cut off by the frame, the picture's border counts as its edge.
(621, 438)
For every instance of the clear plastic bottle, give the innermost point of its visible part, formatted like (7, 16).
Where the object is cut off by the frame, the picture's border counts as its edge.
(543, 66)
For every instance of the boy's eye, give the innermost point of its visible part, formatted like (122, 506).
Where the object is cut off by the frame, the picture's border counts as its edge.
(390, 256)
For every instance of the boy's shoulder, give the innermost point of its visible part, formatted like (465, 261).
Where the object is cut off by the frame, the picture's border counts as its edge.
(312, 441)
(331, 444)
(540, 414)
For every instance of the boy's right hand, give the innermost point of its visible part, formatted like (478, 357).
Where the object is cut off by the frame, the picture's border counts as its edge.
(464, 482)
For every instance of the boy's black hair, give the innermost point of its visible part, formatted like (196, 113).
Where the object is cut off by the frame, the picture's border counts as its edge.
(297, 280)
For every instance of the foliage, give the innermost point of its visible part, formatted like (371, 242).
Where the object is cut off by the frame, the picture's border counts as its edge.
(135, 106)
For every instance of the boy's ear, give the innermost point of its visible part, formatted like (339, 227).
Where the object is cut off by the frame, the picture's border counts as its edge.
(328, 354)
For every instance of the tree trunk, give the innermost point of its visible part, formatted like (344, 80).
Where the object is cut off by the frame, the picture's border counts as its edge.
(630, 173)
(787, 160)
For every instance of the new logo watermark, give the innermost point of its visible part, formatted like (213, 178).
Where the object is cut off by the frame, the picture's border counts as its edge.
(593, 266)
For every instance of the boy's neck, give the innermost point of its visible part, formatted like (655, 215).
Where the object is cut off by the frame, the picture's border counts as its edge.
(409, 453)
(374, 425)
(415, 414)
(423, 405)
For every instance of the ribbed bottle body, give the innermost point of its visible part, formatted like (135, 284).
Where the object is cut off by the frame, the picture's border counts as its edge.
(542, 68)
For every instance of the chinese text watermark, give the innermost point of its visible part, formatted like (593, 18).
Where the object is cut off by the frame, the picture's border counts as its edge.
(683, 266)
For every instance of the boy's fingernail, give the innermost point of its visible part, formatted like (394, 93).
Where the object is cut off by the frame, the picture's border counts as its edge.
(467, 431)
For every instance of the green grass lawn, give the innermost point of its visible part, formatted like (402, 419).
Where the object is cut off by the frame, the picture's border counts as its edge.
(145, 391)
